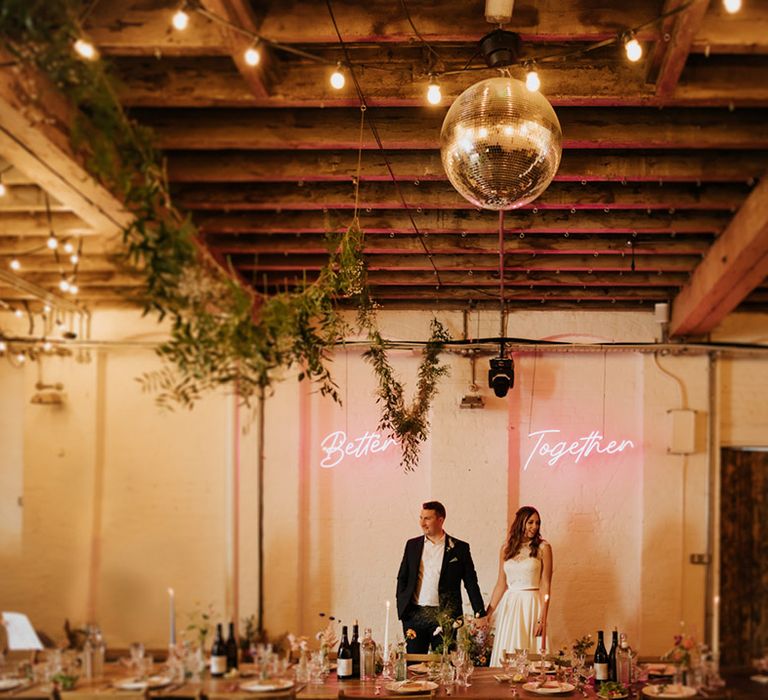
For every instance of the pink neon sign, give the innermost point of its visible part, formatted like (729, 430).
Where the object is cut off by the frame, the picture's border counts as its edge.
(336, 446)
(580, 448)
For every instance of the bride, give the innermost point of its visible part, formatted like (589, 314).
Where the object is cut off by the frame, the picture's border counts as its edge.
(520, 599)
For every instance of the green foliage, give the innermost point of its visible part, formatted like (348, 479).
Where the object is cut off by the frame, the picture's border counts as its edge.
(221, 333)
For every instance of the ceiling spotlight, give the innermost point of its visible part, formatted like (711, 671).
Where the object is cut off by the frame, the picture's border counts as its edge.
(501, 375)
(633, 48)
(52, 242)
(434, 96)
(337, 78)
(180, 19)
(532, 81)
(15, 264)
(732, 6)
(85, 49)
(252, 56)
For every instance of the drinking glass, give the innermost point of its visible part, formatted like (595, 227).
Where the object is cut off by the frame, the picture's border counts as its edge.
(137, 654)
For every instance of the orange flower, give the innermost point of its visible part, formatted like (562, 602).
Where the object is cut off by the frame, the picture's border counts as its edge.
(410, 633)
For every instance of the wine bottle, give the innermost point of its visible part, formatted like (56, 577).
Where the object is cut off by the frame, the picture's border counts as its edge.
(344, 658)
(231, 648)
(218, 654)
(355, 644)
(612, 656)
(601, 661)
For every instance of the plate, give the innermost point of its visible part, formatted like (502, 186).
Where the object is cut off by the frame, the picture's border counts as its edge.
(613, 697)
(669, 691)
(142, 683)
(266, 685)
(549, 688)
(660, 669)
(8, 683)
(411, 687)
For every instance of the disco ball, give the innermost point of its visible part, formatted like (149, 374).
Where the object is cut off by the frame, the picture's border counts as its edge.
(500, 144)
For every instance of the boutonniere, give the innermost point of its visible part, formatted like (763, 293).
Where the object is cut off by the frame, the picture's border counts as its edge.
(449, 547)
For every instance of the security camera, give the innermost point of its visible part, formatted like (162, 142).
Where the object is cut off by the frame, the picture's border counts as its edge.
(501, 375)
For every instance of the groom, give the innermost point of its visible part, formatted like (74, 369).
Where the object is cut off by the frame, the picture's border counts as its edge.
(429, 580)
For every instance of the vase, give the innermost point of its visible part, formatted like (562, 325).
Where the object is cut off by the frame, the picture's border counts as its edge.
(681, 674)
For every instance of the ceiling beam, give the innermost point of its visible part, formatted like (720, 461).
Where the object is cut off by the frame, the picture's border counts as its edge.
(341, 166)
(734, 266)
(34, 137)
(409, 128)
(669, 56)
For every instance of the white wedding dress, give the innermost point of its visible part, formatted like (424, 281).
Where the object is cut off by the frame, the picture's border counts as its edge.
(519, 607)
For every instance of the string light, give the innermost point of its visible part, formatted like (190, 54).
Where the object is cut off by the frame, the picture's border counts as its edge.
(21, 358)
(732, 6)
(73, 288)
(532, 81)
(434, 96)
(47, 346)
(3, 346)
(47, 309)
(52, 241)
(15, 265)
(252, 55)
(337, 78)
(64, 284)
(3, 188)
(180, 19)
(633, 48)
(74, 259)
(68, 248)
(85, 49)
(18, 313)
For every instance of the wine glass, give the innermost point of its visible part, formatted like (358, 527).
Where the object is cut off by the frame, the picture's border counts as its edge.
(137, 654)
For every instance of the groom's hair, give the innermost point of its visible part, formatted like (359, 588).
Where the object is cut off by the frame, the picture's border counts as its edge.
(438, 507)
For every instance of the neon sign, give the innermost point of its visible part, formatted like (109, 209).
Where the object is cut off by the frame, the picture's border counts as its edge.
(580, 448)
(336, 446)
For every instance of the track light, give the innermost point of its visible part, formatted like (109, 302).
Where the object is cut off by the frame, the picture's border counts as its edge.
(85, 49)
(434, 96)
(633, 48)
(337, 78)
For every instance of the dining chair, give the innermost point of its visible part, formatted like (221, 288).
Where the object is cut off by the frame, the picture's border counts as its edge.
(344, 695)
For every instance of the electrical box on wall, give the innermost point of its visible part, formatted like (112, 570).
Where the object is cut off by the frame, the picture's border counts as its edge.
(683, 431)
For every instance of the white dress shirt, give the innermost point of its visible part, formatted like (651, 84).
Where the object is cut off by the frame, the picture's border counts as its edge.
(429, 572)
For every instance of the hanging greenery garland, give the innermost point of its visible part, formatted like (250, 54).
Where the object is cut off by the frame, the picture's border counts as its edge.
(221, 333)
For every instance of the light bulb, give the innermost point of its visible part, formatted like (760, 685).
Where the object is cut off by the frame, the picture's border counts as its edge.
(47, 309)
(633, 49)
(252, 56)
(21, 358)
(63, 285)
(732, 6)
(74, 258)
(47, 346)
(73, 288)
(180, 20)
(3, 189)
(3, 346)
(52, 242)
(17, 313)
(86, 50)
(15, 264)
(337, 78)
(68, 248)
(532, 81)
(434, 96)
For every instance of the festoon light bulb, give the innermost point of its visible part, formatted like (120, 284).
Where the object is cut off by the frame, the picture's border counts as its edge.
(732, 6)
(532, 81)
(180, 19)
(337, 78)
(633, 48)
(434, 95)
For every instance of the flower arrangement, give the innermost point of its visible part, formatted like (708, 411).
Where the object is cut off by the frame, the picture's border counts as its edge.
(476, 641)
(201, 622)
(582, 645)
(684, 651)
(446, 627)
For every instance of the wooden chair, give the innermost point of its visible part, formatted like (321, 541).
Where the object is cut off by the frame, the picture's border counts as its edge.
(345, 695)
(424, 658)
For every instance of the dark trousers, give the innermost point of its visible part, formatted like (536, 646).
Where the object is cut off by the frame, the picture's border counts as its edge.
(422, 619)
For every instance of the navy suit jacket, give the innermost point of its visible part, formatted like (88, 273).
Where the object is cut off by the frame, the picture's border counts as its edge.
(457, 567)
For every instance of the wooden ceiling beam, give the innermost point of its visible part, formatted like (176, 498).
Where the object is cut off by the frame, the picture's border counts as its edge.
(408, 128)
(341, 166)
(734, 266)
(669, 56)
(34, 137)
(64, 224)
(469, 222)
(429, 293)
(441, 195)
(469, 261)
(452, 243)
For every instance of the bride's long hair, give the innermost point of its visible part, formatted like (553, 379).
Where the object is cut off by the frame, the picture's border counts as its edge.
(517, 533)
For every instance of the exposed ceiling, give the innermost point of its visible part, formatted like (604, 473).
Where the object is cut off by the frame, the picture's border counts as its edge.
(658, 196)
